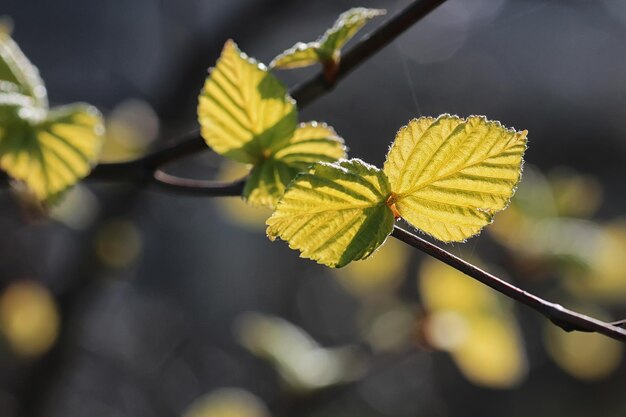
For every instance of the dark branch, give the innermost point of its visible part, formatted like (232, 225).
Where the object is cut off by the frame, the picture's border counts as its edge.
(198, 187)
(304, 94)
(566, 319)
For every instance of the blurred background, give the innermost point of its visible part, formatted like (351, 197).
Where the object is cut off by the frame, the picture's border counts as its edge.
(133, 302)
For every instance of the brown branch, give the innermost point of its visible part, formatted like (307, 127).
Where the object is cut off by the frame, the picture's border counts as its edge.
(568, 320)
(306, 93)
(147, 170)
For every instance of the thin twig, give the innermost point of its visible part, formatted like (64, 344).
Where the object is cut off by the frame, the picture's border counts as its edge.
(304, 94)
(566, 319)
(199, 187)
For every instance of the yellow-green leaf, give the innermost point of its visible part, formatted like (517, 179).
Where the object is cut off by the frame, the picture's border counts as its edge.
(299, 55)
(244, 111)
(335, 213)
(327, 47)
(18, 75)
(312, 142)
(449, 175)
(344, 28)
(52, 153)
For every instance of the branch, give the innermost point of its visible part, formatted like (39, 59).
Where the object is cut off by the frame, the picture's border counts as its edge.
(144, 169)
(566, 319)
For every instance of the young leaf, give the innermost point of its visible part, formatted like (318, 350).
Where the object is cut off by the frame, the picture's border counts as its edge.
(344, 29)
(243, 110)
(335, 213)
(18, 75)
(247, 115)
(328, 46)
(449, 175)
(52, 153)
(312, 142)
(299, 55)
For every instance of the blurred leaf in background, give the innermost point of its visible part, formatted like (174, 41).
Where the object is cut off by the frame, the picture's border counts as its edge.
(473, 323)
(131, 129)
(29, 319)
(302, 363)
(118, 243)
(228, 402)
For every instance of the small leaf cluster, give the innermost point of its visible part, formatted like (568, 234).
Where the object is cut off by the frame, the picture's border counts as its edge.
(446, 176)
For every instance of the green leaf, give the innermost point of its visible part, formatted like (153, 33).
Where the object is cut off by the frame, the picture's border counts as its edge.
(244, 111)
(335, 213)
(52, 151)
(247, 115)
(344, 29)
(299, 55)
(449, 175)
(327, 47)
(18, 75)
(312, 142)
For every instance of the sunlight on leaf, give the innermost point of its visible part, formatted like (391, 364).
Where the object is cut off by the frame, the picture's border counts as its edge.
(585, 356)
(311, 142)
(244, 111)
(299, 55)
(328, 46)
(18, 75)
(474, 324)
(299, 359)
(28, 318)
(51, 154)
(334, 213)
(47, 150)
(344, 28)
(247, 115)
(450, 176)
(227, 402)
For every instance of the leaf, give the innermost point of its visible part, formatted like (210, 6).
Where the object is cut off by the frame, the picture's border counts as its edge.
(344, 29)
(51, 154)
(18, 75)
(244, 111)
(312, 142)
(450, 176)
(299, 55)
(328, 46)
(335, 213)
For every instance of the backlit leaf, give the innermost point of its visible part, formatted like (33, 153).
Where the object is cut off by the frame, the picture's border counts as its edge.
(327, 47)
(299, 55)
(344, 28)
(451, 175)
(18, 75)
(311, 142)
(335, 213)
(244, 111)
(52, 153)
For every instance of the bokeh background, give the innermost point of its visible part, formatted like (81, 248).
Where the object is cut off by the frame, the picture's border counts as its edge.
(132, 302)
